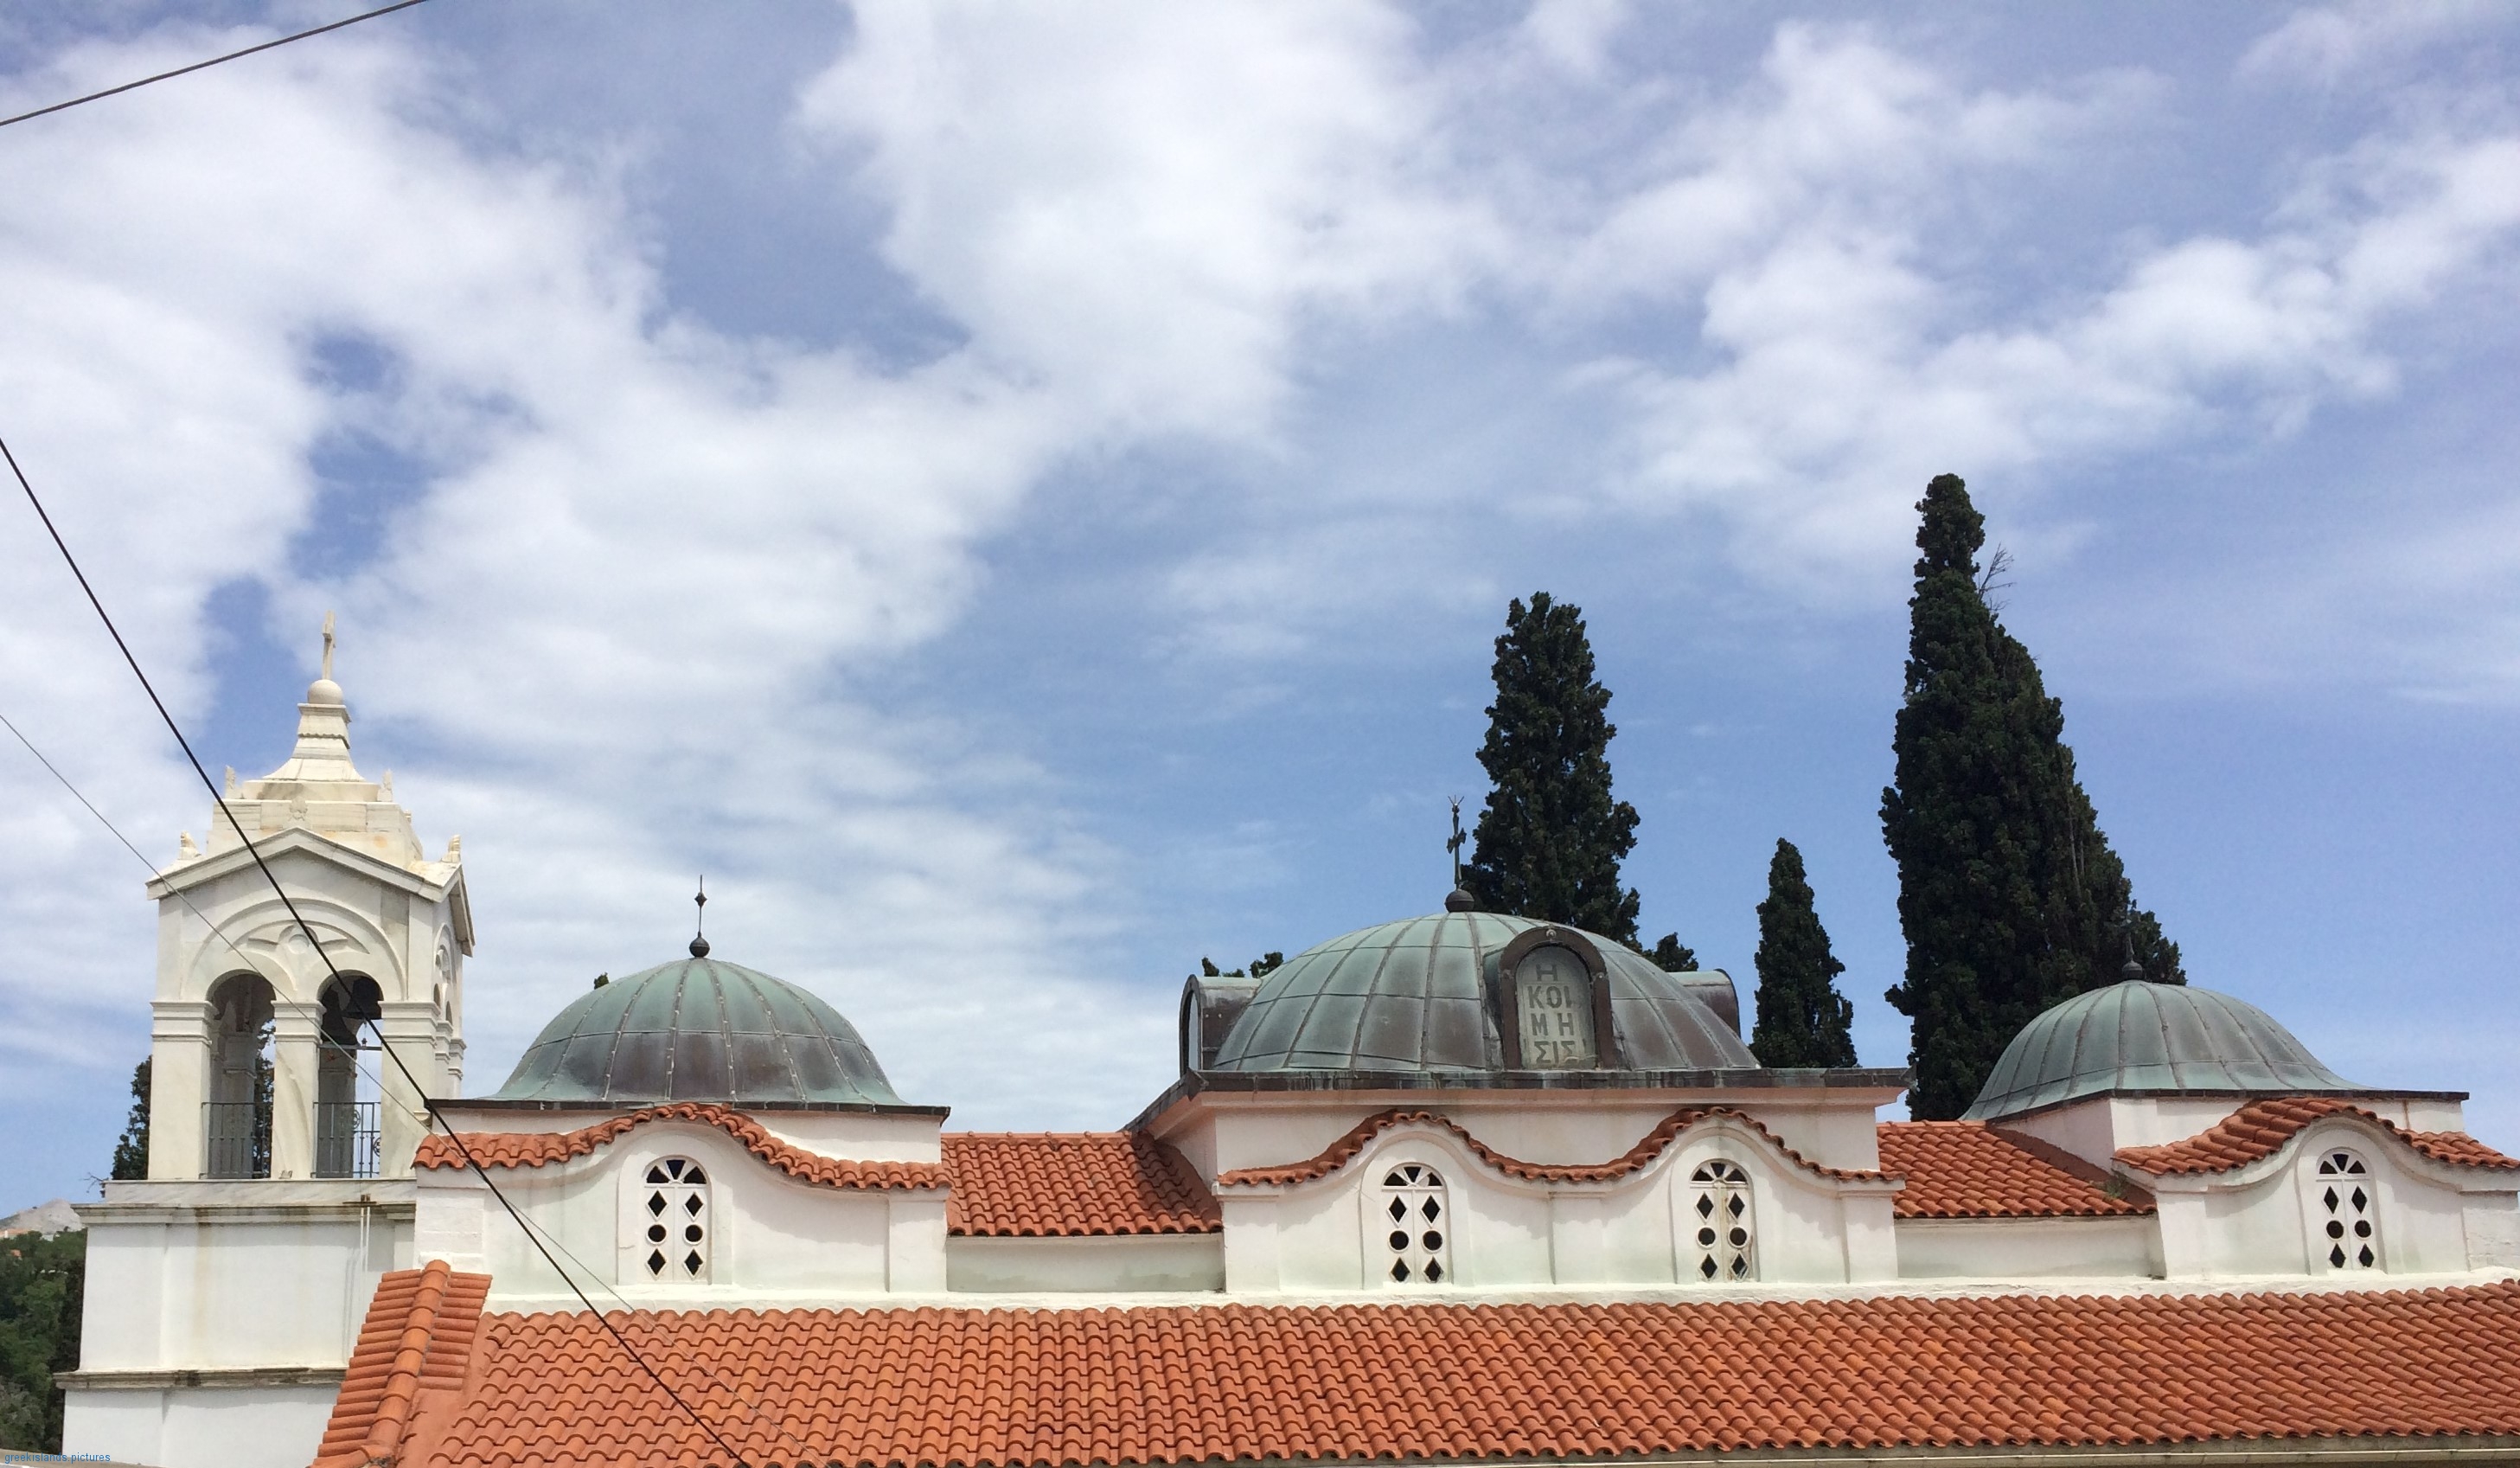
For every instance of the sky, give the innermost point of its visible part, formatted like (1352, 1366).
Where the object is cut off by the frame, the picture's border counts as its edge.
(1023, 496)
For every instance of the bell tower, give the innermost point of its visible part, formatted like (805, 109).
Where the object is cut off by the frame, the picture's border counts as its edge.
(264, 1063)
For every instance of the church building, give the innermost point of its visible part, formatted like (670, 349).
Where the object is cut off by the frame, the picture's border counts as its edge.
(1460, 1186)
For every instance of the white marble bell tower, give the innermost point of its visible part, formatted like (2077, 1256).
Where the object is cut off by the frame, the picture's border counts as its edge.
(231, 959)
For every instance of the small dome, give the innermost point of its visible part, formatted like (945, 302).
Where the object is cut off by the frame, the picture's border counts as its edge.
(323, 690)
(2138, 1038)
(699, 1030)
(1412, 995)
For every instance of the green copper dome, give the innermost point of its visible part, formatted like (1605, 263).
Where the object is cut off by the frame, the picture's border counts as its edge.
(699, 1030)
(2139, 1039)
(1416, 995)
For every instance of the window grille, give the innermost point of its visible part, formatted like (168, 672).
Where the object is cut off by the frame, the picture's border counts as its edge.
(675, 1218)
(1413, 1225)
(1720, 1223)
(2344, 1211)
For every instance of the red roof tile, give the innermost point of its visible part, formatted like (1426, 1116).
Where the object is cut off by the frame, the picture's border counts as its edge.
(1968, 1169)
(410, 1359)
(533, 1149)
(1340, 1153)
(2262, 1127)
(1068, 1183)
(1240, 1383)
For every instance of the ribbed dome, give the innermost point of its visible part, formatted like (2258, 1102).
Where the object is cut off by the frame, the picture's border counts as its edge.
(699, 1030)
(1411, 996)
(2137, 1038)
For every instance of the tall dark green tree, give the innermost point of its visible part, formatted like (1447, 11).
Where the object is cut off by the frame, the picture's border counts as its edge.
(131, 1149)
(1672, 956)
(2010, 894)
(1803, 1020)
(1550, 837)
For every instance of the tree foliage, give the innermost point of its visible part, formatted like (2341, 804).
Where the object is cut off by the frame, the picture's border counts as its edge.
(1258, 968)
(1802, 1019)
(131, 1149)
(1550, 837)
(41, 1284)
(1672, 956)
(2010, 894)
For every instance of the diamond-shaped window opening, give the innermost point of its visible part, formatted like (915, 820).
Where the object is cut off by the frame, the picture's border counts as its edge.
(1413, 1227)
(676, 1189)
(2344, 1215)
(1721, 1240)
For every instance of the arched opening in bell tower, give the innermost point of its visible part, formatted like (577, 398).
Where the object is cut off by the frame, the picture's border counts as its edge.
(235, 1120)
(345, 1092)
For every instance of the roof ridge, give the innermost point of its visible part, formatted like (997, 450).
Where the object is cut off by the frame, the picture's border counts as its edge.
(1649, 1147)
(2264, 1126)
(421, 1328)
(1971, 1170)
(534, 1149)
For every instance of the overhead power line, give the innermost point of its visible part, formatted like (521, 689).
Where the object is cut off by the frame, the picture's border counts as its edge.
(426, 1100)
(128, 86)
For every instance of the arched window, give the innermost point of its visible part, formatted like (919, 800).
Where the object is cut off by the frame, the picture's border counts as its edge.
(1719, 1223)
(1413, 1223)
(236, 1117)
(346, 1100)
(2344, 1211)
(674, 1220)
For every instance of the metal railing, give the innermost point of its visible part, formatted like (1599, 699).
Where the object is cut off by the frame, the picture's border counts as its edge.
(236, 1139)
(346, 1139)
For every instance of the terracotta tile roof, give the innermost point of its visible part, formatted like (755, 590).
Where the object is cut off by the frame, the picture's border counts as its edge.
(2262, 1127)
(1340, 1153)
(533, 1149)
(1968, 1169)
(1066, 1183)
(410, 1362)
(1240, 1383)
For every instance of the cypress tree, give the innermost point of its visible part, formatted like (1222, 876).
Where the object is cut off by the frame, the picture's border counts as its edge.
(1672, 956)
(1803, 1020)
(1550, 837)
(131, 1149)
(2010, 894)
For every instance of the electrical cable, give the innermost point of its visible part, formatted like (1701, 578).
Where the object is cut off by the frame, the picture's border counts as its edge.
(418, 1090)
(128, 86)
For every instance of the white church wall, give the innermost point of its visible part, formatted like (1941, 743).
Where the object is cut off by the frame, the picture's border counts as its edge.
(2112, 1247)
(1507, 1232)
(227, 1426)
(211, 1274)
(2265, 1218)
(1116, 1264)
(763, 1231)
(867, 1136)
(2492, 1223)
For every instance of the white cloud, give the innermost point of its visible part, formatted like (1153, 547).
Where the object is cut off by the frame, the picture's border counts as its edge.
(2363, 41)
(1851, 362)
(1145, 209)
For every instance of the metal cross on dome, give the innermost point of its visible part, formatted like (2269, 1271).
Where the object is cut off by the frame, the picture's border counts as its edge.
(1458, 839)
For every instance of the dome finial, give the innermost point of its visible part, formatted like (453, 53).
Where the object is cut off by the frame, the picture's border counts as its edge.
(700, 899)
(2130, 971)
